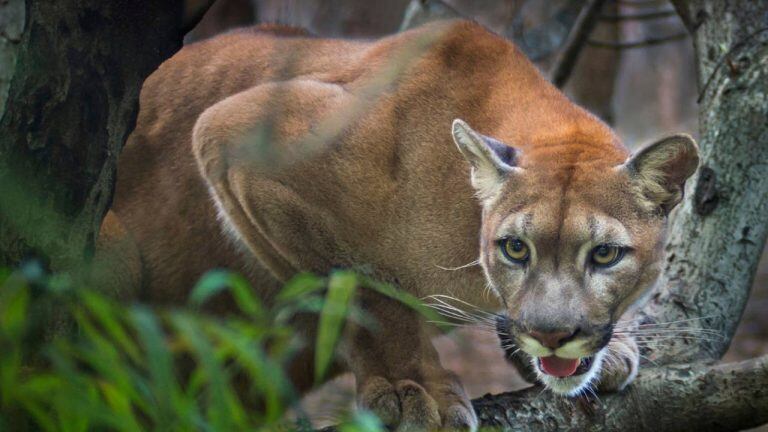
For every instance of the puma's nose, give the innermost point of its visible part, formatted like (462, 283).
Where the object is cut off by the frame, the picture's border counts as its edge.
(553, 340)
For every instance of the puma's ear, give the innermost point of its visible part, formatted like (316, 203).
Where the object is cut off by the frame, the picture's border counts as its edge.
(660, 170)
(491, 160)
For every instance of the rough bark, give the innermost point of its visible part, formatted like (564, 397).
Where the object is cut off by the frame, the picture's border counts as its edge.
(70, 74)
(718, 233)
(691, 397)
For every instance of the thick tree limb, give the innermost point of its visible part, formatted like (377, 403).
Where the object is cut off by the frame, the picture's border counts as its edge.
(695, 397)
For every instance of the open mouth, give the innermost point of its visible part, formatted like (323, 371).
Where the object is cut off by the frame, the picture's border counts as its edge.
(562, 367)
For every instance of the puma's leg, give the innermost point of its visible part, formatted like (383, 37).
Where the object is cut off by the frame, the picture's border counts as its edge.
(620, 364)
(116, 268)
(399, 376)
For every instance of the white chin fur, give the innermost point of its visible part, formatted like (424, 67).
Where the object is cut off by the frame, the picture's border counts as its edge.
(572, 385)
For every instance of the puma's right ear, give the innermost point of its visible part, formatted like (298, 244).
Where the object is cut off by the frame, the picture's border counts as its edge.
(660, 170)
(491, 160)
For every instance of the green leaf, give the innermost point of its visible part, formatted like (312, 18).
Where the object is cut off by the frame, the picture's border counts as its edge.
(225, 410)
(216, 281)
(14, 304)
(299, 287)
(341, 289)
(164, 386)
(362, 421)
(109, 318)
(212, 283)
(120, 404)
(267, 375)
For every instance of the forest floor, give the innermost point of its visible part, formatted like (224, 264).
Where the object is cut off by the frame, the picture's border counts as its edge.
(475, 355)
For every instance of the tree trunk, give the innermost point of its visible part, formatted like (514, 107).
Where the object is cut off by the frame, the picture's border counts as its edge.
(70, 75)
(718, 234)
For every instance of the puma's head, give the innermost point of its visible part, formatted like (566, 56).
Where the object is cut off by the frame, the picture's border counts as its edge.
(572, 237)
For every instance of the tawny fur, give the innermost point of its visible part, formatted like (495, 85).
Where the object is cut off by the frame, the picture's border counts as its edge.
(271, 154)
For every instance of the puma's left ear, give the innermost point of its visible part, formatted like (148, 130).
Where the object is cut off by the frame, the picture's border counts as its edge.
(491, 160)
(660, 170)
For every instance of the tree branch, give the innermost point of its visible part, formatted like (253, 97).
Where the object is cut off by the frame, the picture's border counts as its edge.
(640, 3)
(637, 44)
(584, 25)
(697, 397)
(644, 16)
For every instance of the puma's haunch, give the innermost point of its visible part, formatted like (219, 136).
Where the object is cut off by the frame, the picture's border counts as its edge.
(272, 153)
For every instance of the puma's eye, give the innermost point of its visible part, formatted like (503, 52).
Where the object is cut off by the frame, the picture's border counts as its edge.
(515, 250)
(606, 255)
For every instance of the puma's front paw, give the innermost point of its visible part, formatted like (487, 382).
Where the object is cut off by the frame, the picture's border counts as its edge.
(620, 364)
(409, 406)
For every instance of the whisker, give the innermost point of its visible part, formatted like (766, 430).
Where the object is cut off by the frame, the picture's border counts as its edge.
(449, 313)
(469, 326)
(679, 334)
(439, 297)
(663, 323)
(649, 359)
(450, 308)
(681, 338)
(464, 318)
(453, 311)
(487, 291)
(675, 332)
(590, 388)
(713, 336)
(469, 264)
(689, 329)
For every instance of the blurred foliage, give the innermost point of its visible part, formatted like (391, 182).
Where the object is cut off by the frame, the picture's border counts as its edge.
(132, 368)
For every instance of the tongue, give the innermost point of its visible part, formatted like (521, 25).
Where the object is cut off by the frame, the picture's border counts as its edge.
(559, 367)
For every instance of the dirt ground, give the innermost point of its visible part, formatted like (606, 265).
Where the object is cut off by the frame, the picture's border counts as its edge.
(475, 355)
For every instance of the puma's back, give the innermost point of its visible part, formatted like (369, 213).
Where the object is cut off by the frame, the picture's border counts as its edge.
(161, 198)
(417, 81)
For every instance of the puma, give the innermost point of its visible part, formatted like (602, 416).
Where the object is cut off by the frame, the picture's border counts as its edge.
(270, 152)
